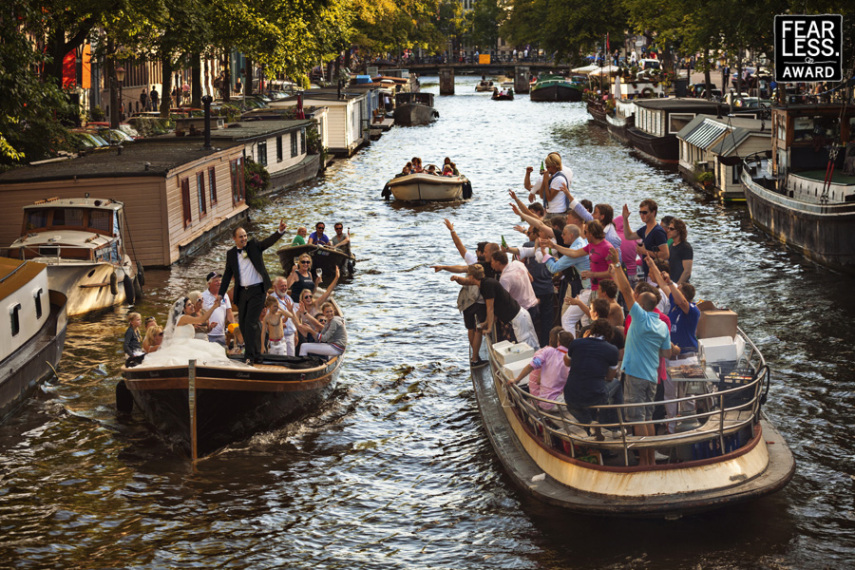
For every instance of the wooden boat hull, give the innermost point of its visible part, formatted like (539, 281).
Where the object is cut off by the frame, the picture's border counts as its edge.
(661, 150)
(822, 233)
(560, 93)
(429, 187)
(484, 87)
(232, 404)
(414, 114)
(23, 370)
(507, 97)
(762, 466)
(598, 114)
(324, 258)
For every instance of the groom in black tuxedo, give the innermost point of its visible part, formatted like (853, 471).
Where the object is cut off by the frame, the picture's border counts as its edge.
(245, 264)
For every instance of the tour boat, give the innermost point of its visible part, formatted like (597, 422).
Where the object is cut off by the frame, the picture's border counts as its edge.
(802, 193)
(413, 109)
(325, 258)
(203, 408)
(32, 330)
(423, 187)
(556, 88)
(724, 449)
(504, 95)
(81, 242)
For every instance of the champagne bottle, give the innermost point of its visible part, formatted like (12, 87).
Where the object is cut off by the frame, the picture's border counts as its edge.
(504, 243)
(542, 168)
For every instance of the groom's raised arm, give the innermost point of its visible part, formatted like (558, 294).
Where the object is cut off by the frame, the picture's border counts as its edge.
(274, 237)
(227, 278)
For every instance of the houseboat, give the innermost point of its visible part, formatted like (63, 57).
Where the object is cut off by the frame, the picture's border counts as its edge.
(347, 118)
(32, 330)
(556, 88)
(711, 151)
(657, 122)
(802, 192)
(82, 241)
(723, 449)
(178, 196)
(413, 109)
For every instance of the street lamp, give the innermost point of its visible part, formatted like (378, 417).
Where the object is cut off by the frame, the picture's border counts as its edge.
(120, 77)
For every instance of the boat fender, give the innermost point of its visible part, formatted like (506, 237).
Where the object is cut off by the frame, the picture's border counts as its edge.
(140, 273)
(130, 294)
(114, 283)
(124, 399)
(387, 192)
(467, 190)
(137, 288)
(436, 114)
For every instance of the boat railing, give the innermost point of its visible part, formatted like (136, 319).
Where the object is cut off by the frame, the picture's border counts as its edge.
(756, 168)
(711, 422)
(57, 252)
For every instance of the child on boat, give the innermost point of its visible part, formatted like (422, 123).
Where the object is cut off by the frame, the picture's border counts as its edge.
(274, 329)
(133, 338)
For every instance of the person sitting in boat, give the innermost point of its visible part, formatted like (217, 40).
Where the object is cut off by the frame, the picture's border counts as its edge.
(407, 170)
(417, 165)
(318, 237)
(447, 162)
(332, 334)
(340, 240)
(447, 171)
(198, 303)
(133, 339)
(153, 339)
(150, 322)
(300, 238)
(280, 292)
(274, 327)
(593, 364)
(431, 169)
(547, 371)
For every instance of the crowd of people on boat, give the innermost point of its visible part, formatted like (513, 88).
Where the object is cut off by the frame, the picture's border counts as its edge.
(415, 166)
(287, 316)
(604, 301)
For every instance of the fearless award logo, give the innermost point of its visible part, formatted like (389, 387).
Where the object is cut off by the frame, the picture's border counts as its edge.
(809, 48)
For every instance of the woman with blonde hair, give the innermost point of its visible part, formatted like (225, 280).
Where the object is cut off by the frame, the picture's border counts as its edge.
(301, 277)
(555, 178)
(153, 339)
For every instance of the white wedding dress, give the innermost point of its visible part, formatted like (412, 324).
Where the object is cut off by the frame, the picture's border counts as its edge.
(182, 347)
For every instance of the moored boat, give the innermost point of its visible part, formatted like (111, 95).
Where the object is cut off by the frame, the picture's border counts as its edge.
(32, 333)
(556, 88)
(598, 112)
(327, 259)
(413, 109)
(723, 451)
(81, 242)
(230, 403)
(422, 187)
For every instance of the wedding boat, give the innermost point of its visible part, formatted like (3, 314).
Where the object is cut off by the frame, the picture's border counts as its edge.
(81, 242)
(414, 108)
(424, 187)
(203, 408)
(32, 332)
(556, 88)
(325, 259)
(802, 193)
(723, 449)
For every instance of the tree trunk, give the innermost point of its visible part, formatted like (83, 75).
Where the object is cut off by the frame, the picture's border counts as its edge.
(707, 78)
(166, 90)
(247, 85)
(195, 80)
(227, 77)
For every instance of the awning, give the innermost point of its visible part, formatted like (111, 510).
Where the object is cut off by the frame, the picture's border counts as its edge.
(705, 134)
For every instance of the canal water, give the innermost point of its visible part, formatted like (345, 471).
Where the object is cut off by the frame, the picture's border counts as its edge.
(395, 471)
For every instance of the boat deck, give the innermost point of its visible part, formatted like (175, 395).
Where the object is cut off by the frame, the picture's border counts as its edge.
(838, 177)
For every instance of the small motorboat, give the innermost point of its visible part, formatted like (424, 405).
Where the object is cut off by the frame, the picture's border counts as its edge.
(81, 242)
(484, 86)
(32, 332)
(723, 450)
(203, 408)
(503, 95)
(414, 109)
(324, 258)
(424, 187)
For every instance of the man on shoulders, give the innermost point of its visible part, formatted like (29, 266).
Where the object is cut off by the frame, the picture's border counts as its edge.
(653, 237)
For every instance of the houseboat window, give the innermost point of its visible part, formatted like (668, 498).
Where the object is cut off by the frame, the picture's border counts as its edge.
(68, 217)
(36, 219)
(200, 193)
(100, 220)
(303, 140)
(37, 295)
(185, 201)
(294, 143)
(803, 129)
(15, 317)
(262, 153)
(236, 167)
(737, 172)
(279, 149)
(212, 184)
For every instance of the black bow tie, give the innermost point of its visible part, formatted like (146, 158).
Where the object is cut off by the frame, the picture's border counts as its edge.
(239, 250)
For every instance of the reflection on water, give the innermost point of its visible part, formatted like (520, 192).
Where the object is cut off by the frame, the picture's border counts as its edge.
(395, 471)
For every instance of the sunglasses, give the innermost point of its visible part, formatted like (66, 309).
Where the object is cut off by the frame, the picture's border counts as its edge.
(320, 227)
(306, 297)
(322, 321)
(642, 212)
(338, 227)
(305, 262)
(159, 334)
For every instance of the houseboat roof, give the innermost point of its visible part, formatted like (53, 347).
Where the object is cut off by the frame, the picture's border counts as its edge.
(250, 128)
(704, 130)
(678, 104)
(142, 158)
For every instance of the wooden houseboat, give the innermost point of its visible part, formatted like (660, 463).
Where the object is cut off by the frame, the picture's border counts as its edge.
(83, 243)
(802, 192)
(32, 330)
(414, 109)
(657, 122)
(178, 196)
(710, 151)
(347, 119)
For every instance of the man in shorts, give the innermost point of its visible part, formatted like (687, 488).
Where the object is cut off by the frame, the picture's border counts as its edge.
(647, 340)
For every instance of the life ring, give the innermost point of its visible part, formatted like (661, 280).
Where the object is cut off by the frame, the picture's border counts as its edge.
(140, 273)
(646, 92)
(114, 283)
(130, 294)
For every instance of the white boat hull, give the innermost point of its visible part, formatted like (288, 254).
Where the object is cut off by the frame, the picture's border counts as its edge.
(88, 285)
(427, 187)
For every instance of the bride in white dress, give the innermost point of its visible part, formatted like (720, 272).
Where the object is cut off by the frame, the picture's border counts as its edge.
(179, 346)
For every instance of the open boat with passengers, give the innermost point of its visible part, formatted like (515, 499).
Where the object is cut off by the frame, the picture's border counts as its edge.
(324, 258)
(81, 240)
(426, 186)
(724, 449)
(202, 408)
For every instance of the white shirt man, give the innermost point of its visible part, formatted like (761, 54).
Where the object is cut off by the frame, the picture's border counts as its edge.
(222, 315)
(280, 291)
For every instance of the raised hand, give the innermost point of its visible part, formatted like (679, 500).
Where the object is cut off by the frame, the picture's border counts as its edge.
(449, 225)
(625, 211)
(282, 226)
(612, 256)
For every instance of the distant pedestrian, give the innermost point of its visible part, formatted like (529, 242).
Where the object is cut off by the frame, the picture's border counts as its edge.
(155, 98)
(175, 96)
(144, 100)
